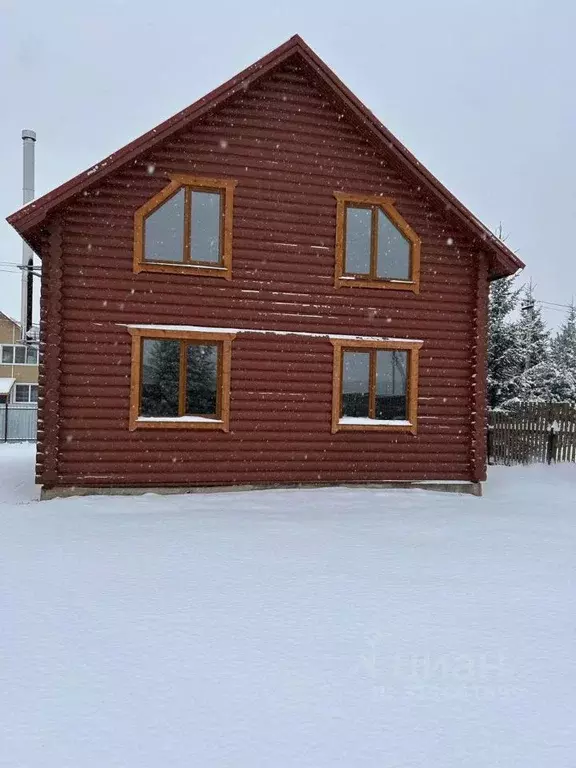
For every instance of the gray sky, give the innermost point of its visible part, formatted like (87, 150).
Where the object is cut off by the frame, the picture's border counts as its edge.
(482, 91)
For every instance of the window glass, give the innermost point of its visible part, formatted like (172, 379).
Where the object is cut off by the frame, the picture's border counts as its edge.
(205, 227)
(7, 354)
(22, 393)
(393, 251)
(160, 377)
(34, 393)
(20, 355)
(355, 384)
(32, 355)
(201, 379)
(164, 231)
(358, 237)
(391, 378)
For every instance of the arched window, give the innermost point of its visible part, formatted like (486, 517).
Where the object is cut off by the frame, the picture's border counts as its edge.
(375, 246)
(186, 227)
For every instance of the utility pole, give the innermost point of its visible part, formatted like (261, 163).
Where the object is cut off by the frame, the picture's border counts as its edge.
(528, 309)
(28, 145)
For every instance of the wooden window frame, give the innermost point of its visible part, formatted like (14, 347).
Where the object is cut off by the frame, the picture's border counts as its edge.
(345, 279)
(223, 381)
(345, 345)
(223, 268)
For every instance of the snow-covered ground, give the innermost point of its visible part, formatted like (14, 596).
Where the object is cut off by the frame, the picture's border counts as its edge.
(289, 629)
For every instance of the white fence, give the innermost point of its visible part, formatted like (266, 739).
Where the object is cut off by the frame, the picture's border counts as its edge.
(18, 423)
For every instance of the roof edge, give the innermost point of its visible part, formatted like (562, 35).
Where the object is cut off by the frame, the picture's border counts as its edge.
(33, 212)
(30, 215)
(510, 261)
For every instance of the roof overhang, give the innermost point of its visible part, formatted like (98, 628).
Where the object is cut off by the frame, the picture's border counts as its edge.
(6, 386)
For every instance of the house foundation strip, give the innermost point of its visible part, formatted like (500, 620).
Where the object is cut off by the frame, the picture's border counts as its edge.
(443, 486)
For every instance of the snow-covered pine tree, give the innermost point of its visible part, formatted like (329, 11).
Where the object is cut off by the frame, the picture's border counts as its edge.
(537, 376)
(505, 361)
(534, 336)
(563, 354)
(564, 343)
(547, 382)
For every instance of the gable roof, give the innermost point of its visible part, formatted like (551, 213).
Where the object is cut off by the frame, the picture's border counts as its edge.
(4, 316)
(503, 260)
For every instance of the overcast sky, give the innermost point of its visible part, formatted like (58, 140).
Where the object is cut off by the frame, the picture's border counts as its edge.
(482, 92)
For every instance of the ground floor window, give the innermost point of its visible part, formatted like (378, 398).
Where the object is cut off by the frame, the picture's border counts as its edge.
(180, 379)
(25, 393)
(375, 385)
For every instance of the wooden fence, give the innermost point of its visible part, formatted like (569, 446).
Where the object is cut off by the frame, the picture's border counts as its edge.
(532, 432)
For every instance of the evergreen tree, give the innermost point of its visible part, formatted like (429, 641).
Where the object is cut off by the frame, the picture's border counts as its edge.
(505, 361)
(534, 337)
(564, 343)
(201, 377)
(548, 382)
(161, 378)
(563, 356)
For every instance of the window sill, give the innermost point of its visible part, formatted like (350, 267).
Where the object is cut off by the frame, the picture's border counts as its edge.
(354, 423)
(190, 269)
(353, 281)
(178, 422)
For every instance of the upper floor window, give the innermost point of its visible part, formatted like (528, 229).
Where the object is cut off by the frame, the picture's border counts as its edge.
(18, 354)
(375, 247)
(186, 227)
(375, 385)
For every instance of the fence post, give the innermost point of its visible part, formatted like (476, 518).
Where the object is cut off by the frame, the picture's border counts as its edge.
(6, 421)
(489, 444)
(551, 443)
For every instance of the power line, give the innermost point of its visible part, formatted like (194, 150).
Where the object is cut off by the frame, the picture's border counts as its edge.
(554, 309)
(554, 304)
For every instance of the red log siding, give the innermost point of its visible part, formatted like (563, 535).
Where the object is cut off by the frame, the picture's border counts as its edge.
(290, 149)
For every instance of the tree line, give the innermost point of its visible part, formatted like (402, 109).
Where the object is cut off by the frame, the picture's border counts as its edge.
(526, 361)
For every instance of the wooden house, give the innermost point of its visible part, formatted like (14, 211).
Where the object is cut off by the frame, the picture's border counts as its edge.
(266, 289)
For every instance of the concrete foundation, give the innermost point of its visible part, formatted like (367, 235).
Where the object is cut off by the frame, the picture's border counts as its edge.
(448, 486)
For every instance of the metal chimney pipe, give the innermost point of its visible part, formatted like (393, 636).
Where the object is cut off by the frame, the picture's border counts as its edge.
(28, 145)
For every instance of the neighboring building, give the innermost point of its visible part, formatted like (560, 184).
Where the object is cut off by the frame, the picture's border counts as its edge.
(6, 387)
(266, 289)
(18, 362)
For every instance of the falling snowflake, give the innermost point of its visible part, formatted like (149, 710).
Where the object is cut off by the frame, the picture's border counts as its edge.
(223, 143)
(449, 241)
(150, 169)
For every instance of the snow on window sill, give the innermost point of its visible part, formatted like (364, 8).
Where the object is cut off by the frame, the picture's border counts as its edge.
(179, 419)
(377, 279)
(210, 329)
(365, 422)
(206, 265)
